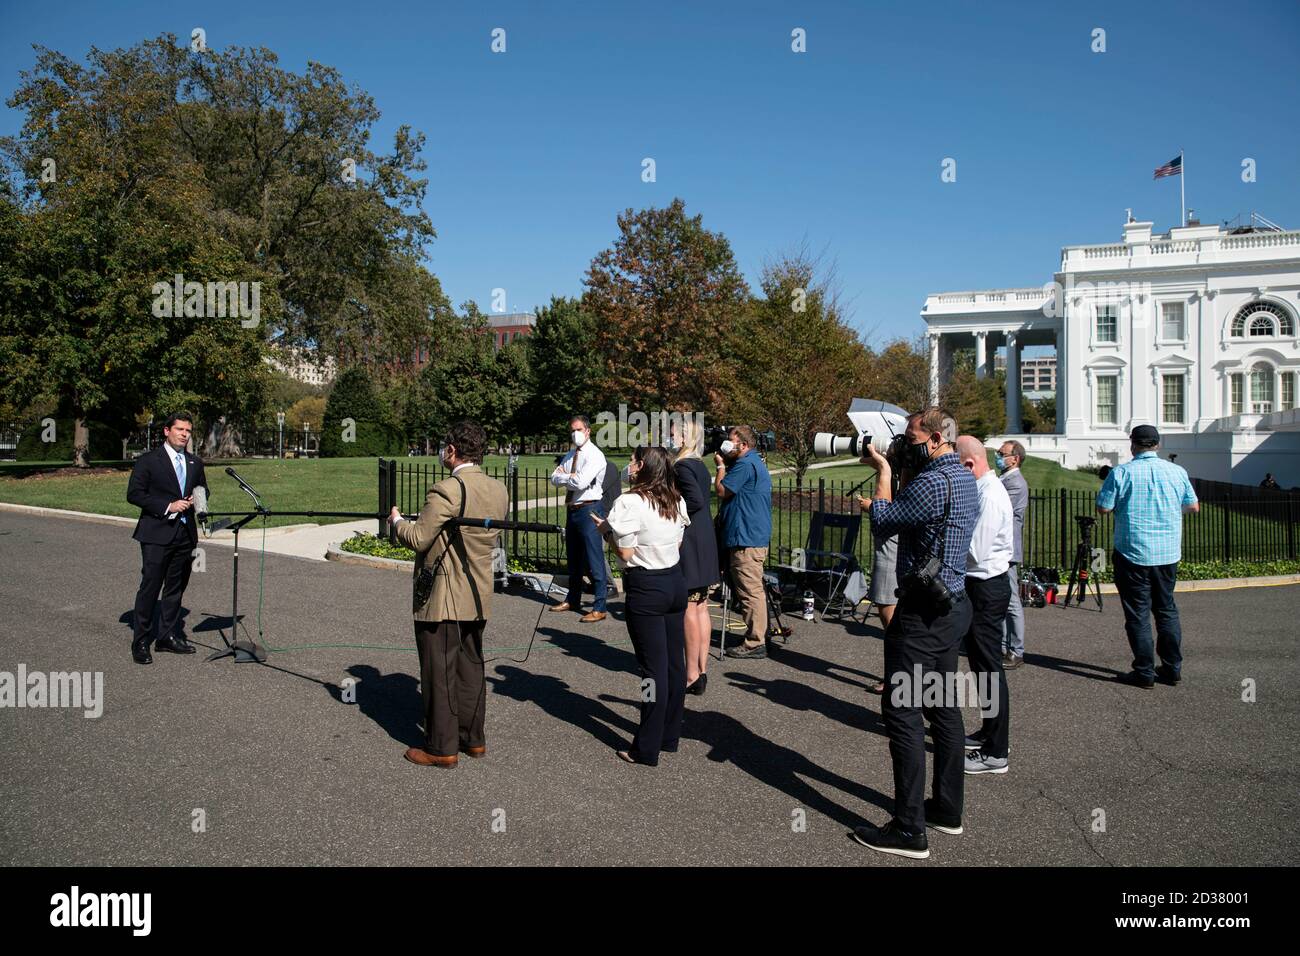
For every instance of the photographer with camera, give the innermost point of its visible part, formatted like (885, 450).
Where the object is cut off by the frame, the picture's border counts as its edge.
(452, 592)
(745, 488)
(934, 518)
(1148, 497)
(884, 552)
(988, 587)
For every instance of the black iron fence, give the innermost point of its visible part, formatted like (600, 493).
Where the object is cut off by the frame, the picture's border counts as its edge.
(1235, 523)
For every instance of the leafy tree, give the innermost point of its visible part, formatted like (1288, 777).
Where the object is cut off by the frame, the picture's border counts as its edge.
(901, 375)
(375, 432)
(799, 364)
(664, 298)
(563, 376)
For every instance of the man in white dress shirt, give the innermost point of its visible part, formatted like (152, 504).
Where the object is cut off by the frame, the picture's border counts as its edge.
(988, 585)
(581, 474)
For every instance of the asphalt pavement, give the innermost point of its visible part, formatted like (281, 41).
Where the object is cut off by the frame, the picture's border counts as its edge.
(222, 763)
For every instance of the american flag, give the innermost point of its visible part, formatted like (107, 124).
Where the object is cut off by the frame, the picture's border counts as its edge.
(1172, 168)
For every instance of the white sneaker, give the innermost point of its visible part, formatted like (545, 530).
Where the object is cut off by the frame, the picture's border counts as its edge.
(977, 761)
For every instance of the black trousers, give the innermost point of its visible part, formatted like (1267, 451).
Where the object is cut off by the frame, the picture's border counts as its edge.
(656, 622)
(451, 683)
(920, 640)
(989, 599)
(166, 569)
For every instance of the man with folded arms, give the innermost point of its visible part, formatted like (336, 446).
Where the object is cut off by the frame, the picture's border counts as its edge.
(581, 473)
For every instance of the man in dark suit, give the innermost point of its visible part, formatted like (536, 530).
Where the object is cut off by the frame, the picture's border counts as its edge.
(162, 487)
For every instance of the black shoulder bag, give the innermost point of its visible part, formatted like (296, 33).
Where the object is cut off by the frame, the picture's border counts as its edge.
(425, 580)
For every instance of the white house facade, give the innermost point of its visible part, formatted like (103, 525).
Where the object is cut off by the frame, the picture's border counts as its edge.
(1196, 331)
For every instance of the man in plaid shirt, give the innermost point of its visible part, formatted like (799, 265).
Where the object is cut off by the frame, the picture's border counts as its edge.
(1148, 496)
(922, 640)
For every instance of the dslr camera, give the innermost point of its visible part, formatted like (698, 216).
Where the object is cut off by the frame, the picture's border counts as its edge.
(715, 436)
(924, 582)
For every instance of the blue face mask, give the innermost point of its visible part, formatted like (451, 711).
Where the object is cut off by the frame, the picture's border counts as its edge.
(1000, 461)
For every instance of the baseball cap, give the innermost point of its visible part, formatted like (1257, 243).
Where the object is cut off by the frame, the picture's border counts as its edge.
(1144, 435)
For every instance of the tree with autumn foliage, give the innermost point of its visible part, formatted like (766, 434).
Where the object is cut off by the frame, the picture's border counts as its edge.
(664, 298)
(799, 363)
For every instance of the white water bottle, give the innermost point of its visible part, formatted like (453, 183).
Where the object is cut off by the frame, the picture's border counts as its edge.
(807, 605)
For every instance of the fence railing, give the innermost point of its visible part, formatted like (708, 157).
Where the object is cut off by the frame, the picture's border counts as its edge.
(1232, 525)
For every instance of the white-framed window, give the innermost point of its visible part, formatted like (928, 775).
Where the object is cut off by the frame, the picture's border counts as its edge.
(1261, 389)
(1107, 324)
(1237, 393)
(1288, 390)
(1261, 320)
(1106, 388)
(1172, 323)
(1173, 399)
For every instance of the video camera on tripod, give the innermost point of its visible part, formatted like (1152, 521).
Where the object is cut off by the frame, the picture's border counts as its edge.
(1081, 571)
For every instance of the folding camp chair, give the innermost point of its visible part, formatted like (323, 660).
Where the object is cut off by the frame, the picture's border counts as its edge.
(826, 564)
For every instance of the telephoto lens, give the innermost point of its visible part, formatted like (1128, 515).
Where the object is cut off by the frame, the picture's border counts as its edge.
(827, 445)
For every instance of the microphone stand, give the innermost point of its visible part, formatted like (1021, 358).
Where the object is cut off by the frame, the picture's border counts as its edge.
(244, 652)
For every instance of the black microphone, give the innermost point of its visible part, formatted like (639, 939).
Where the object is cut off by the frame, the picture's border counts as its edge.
(242, 483)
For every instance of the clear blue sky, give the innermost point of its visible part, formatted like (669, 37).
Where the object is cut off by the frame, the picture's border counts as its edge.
(533, 153)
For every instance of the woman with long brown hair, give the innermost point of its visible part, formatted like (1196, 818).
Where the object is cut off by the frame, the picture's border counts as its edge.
(646, 527)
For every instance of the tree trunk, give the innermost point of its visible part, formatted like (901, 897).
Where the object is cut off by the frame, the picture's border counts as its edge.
(81, 444)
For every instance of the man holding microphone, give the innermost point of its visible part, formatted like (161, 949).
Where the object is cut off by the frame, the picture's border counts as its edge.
(581, 473)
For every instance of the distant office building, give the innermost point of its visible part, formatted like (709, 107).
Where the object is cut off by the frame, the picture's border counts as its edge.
(303, 365)
(1038, 377)
(504, 329)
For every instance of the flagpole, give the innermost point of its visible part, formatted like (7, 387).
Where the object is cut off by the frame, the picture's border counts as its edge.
(1182, 183)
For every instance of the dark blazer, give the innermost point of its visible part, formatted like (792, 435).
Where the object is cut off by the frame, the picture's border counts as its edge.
(699, 552)
(153, 487)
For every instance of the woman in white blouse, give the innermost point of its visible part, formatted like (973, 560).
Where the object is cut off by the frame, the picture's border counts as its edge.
(646, 526)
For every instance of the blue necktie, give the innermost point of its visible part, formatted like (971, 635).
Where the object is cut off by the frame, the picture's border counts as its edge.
(180, 476)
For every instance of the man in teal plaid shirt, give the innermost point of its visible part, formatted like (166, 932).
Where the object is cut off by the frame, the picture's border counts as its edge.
(1149, 496)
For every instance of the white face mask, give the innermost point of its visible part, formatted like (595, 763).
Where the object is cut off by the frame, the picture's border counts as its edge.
(579, 438)
(727, 447)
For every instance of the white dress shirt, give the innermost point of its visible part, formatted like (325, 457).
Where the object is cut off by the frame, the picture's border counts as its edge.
(655, 541)
(990, 545)
(586, 481)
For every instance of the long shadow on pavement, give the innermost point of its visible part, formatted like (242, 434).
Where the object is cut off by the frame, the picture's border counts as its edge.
(779, 767)
(555, 698)
(798, 696)
(391, 700)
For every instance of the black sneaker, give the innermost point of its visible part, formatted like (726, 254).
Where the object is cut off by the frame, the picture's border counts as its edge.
(936, 821)
(1134, 679)
(1167, 675)
(740, 650)
(890, 839)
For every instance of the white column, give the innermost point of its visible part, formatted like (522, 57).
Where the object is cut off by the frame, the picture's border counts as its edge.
(1146, 322)
(1208, 313)
(1062, 380)
(981, 356)
(1073, 332)
(934, 368)
(1013, 384)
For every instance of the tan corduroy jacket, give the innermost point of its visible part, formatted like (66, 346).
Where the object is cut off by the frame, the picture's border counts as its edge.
(462, 589)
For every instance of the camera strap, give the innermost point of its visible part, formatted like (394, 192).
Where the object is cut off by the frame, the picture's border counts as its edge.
(947, 510)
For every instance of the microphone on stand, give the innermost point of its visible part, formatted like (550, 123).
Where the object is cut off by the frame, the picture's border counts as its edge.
(242, 483)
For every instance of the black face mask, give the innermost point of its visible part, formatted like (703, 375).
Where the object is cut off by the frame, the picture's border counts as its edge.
(918, 455)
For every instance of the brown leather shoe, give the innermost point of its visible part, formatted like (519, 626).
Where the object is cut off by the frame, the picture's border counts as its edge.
(425, 759)
(592, 617)
(563, 606)
(474, 752)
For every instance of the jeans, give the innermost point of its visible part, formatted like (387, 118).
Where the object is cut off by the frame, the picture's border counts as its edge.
(586, 554)
(1146, 590)
(1013, 627)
